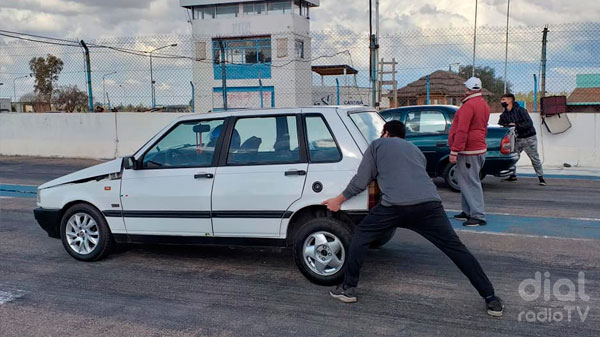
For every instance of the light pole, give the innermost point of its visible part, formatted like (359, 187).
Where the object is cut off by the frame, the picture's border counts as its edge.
(104, 88)
(15, 85)
(506, 50)
(151, 75)
(475, 38)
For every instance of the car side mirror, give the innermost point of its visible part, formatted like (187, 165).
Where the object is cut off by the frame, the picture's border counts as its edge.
(129, 163)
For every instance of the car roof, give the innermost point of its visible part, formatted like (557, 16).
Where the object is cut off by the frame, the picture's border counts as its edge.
(274, 111)
(454, 107)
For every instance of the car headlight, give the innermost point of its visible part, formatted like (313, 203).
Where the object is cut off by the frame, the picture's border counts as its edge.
(39, 196)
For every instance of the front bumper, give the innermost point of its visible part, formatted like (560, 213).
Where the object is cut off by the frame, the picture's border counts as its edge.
(48, 220)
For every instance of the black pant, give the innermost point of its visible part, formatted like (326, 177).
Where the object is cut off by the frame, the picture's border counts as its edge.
(430, 221)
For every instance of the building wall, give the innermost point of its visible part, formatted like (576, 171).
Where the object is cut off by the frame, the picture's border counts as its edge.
(291, 78)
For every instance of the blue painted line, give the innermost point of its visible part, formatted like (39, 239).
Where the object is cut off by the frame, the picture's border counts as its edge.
(559, 176)
(18, 191)
(538, 226)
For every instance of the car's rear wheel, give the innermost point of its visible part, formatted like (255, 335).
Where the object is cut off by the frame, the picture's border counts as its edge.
(450, 177)
(320, 250)
(84, 233)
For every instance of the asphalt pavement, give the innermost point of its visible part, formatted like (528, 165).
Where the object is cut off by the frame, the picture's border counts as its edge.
(408, 288)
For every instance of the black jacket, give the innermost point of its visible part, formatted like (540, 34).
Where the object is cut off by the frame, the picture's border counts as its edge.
(523, 123)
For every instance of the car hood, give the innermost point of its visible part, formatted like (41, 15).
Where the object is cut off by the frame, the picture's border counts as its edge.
(89, 173)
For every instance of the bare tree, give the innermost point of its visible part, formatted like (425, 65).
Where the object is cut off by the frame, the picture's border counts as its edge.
(69, 98)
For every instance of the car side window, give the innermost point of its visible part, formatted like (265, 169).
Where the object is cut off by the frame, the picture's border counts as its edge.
(264, 140)
(425, 122)
(322, 147)
(189, 144)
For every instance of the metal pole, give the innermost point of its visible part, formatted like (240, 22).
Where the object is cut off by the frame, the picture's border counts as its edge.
(337, 86)
(260, 90)
(506, 49)
(535, 92)
(104, 94)
(223, 74)
(89, 76)
(152, 85)
(427, 77)
(544, 43)
(193, 96)
(376, 51)
(475, 38)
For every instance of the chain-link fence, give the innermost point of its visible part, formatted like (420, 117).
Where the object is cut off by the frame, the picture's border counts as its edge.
(202, 73)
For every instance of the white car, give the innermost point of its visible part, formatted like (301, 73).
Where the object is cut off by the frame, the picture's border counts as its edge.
(236, 177)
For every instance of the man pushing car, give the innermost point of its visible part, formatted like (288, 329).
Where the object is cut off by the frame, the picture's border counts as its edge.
(409, 200)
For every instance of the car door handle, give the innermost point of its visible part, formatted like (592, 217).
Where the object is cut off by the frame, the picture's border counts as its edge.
(441, 144)
(203, 175)
(295, 173)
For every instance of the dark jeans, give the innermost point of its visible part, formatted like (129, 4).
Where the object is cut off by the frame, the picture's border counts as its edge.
(430, 221)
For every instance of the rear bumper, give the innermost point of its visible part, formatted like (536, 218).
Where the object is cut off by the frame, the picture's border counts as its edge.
(501, 166)
(48, 220)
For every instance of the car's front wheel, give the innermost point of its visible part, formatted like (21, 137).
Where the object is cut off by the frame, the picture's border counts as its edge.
(85, 233)
(450, 177)
(320, 250)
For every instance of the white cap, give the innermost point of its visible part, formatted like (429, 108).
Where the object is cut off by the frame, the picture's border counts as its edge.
(473, 83)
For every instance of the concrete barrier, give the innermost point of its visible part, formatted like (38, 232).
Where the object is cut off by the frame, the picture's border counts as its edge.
(106, 135)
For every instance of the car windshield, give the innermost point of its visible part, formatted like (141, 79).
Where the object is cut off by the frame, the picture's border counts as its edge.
(370, 124)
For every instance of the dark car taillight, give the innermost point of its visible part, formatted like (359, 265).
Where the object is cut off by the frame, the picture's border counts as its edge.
(505, 145)
(374, 194)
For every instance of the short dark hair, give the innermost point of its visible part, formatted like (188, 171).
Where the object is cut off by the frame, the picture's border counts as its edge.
(395, 129)
(509, 95)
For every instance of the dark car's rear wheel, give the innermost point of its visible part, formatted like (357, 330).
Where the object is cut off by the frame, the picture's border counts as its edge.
(85, 233)
(320, 250)
(449, 175)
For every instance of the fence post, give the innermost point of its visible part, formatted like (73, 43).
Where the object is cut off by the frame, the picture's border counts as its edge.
(193, 96)
(223, 74)
(89, 76)
(544, 43)
(427, 103)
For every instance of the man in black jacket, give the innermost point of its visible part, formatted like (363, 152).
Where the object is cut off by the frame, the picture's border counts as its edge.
(515, 115)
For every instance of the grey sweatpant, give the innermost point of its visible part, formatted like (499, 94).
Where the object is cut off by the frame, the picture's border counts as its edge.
(529, 145)
(471, 193)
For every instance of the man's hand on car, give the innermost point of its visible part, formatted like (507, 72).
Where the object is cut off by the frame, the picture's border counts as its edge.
(334, 204)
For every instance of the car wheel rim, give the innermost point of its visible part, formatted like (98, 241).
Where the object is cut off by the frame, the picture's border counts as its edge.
(452, 176)
(82, 233)
(324, 253)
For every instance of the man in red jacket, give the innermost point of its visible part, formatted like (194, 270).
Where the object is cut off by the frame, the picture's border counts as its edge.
(468, 150)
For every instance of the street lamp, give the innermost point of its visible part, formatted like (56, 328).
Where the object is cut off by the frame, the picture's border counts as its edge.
(104, 88)
(15, 85)
(151, 76)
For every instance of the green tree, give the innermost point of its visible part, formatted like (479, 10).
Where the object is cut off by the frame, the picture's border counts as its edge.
(45, 70)
(489, 80)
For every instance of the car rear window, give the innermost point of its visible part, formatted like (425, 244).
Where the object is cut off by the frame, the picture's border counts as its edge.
(369, 123)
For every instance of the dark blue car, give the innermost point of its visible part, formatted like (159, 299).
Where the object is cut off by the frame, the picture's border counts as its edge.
(427, 126)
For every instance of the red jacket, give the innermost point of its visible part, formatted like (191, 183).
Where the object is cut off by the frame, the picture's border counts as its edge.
(469, 128)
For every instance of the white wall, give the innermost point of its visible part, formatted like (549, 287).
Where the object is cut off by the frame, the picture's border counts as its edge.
(78, 135)
(92, 135)
(580, 145)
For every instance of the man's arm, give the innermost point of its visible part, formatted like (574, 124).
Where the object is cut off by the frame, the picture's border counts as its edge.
(460, 132)
(367, 171)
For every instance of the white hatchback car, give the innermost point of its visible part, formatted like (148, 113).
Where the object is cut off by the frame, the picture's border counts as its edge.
(236, 177)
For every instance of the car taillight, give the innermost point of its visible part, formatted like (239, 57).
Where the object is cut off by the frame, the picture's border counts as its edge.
(505, 145)
(374, 194)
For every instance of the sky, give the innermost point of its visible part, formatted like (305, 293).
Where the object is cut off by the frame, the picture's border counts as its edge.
(114, 19)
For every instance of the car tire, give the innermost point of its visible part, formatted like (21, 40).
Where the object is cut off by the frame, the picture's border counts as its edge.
(385, 239)
(320, 250)
(450, 177)
(84, 233)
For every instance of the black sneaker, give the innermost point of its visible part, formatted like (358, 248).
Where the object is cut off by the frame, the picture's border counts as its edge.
(511, 178)
(495, 307)
(461, 216)
(542, 181)
(344, 295)
(472, 222)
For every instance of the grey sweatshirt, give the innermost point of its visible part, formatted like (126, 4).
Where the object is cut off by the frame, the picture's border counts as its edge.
(400, 169)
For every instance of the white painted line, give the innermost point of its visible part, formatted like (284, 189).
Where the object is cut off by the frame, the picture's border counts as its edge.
(524, 235)
(531, 216)
(9, 296)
